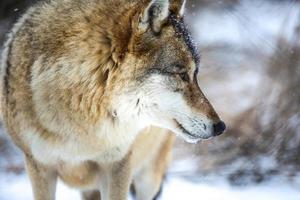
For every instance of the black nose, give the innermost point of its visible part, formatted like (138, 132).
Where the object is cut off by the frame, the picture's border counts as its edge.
(219, 128)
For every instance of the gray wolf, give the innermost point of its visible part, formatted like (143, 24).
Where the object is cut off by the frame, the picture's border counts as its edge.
(86, 83)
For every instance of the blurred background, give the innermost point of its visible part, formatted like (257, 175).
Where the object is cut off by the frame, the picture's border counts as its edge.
(250, 71)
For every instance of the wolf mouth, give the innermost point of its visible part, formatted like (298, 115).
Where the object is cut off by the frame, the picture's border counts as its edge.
(185, 131)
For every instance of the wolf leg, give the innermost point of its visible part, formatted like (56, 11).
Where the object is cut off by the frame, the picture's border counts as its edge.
(148, 181)
(158, 195)
(43, 179)
(147, 185)
(116, 183)
(90, 195)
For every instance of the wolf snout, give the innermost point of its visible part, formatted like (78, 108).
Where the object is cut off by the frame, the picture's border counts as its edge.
(219, 128)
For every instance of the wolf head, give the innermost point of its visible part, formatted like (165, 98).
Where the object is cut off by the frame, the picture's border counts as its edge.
(157, 76)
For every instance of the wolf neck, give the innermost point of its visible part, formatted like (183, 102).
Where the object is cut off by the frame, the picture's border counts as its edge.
(84, 69)
(96, 47)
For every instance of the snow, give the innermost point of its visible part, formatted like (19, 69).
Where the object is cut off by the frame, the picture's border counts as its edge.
(247, 83)
(182, 189)
(17, 187)
(174, 188)
(251, 24)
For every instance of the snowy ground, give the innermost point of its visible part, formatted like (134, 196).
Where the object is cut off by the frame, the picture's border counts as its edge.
(174, 188)
(253, 26)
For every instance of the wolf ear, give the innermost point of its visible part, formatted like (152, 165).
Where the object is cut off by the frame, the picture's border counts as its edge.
(157, 12)
(154, 15)
(178, 7)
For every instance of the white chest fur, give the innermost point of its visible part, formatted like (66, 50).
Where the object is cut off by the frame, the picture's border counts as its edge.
(109, 142)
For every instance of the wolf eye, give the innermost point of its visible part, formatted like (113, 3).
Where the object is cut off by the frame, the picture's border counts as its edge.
(196, 72)
(185, 77)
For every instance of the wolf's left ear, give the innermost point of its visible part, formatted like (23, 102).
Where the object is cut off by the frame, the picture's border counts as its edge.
(178, 7)
(157, 12)
(154, 15)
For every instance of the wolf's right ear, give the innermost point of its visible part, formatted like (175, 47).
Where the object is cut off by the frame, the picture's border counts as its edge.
(154, 15)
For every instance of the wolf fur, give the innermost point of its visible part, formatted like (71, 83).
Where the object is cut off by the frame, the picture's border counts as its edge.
(83, 84)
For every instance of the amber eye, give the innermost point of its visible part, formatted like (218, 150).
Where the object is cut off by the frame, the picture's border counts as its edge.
(196, 73)
(185, 77)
